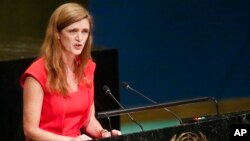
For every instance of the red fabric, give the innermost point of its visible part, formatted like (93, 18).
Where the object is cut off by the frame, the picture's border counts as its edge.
(63, 115)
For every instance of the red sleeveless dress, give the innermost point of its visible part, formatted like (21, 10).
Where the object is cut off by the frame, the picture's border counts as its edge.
(63, 115)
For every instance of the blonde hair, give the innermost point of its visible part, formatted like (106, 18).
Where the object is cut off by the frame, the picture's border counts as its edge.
(51, 50)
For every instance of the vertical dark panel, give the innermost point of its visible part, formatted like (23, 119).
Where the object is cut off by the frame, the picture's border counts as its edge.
(106, 74)
(11, 97)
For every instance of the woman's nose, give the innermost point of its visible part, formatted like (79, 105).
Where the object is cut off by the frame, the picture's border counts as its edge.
(79, 36)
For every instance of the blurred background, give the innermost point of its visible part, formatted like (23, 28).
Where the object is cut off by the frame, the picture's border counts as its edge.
(169, 50)
(175, 49)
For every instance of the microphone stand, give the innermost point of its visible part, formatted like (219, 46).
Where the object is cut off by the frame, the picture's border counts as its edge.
(107, 90)
(110, 126)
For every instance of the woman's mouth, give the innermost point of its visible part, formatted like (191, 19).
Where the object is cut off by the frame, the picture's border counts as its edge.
(78, 46)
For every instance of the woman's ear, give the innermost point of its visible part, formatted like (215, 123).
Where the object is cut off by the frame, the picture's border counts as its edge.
(58, 36)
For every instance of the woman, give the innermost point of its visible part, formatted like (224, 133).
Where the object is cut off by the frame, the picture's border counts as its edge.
(58, 88)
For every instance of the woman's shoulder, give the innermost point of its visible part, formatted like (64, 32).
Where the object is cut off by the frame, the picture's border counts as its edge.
(37, 65)
(91, 64)
(39, 62)
(90, 68)
(36, 70)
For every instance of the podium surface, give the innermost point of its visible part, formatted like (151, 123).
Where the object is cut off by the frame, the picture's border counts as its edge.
(212, 128)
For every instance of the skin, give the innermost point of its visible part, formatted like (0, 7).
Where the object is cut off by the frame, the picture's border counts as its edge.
(72, 38)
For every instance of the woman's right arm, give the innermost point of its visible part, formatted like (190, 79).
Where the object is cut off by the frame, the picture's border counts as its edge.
(32, 106)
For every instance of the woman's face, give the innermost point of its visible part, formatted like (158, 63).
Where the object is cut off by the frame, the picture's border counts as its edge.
(74, 36)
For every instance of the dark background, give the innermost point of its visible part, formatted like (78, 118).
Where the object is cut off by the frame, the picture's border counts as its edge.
(178, 49)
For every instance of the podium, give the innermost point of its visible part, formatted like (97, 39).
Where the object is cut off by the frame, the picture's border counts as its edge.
(208, 128)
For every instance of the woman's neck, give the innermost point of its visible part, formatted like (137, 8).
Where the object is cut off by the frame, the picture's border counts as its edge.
(69, 61)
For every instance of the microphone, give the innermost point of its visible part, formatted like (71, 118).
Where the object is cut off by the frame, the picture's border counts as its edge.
(126, 86)
(107, 91)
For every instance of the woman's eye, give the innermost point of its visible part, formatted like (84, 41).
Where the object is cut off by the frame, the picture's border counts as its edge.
(85, 31)
(73, 31)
